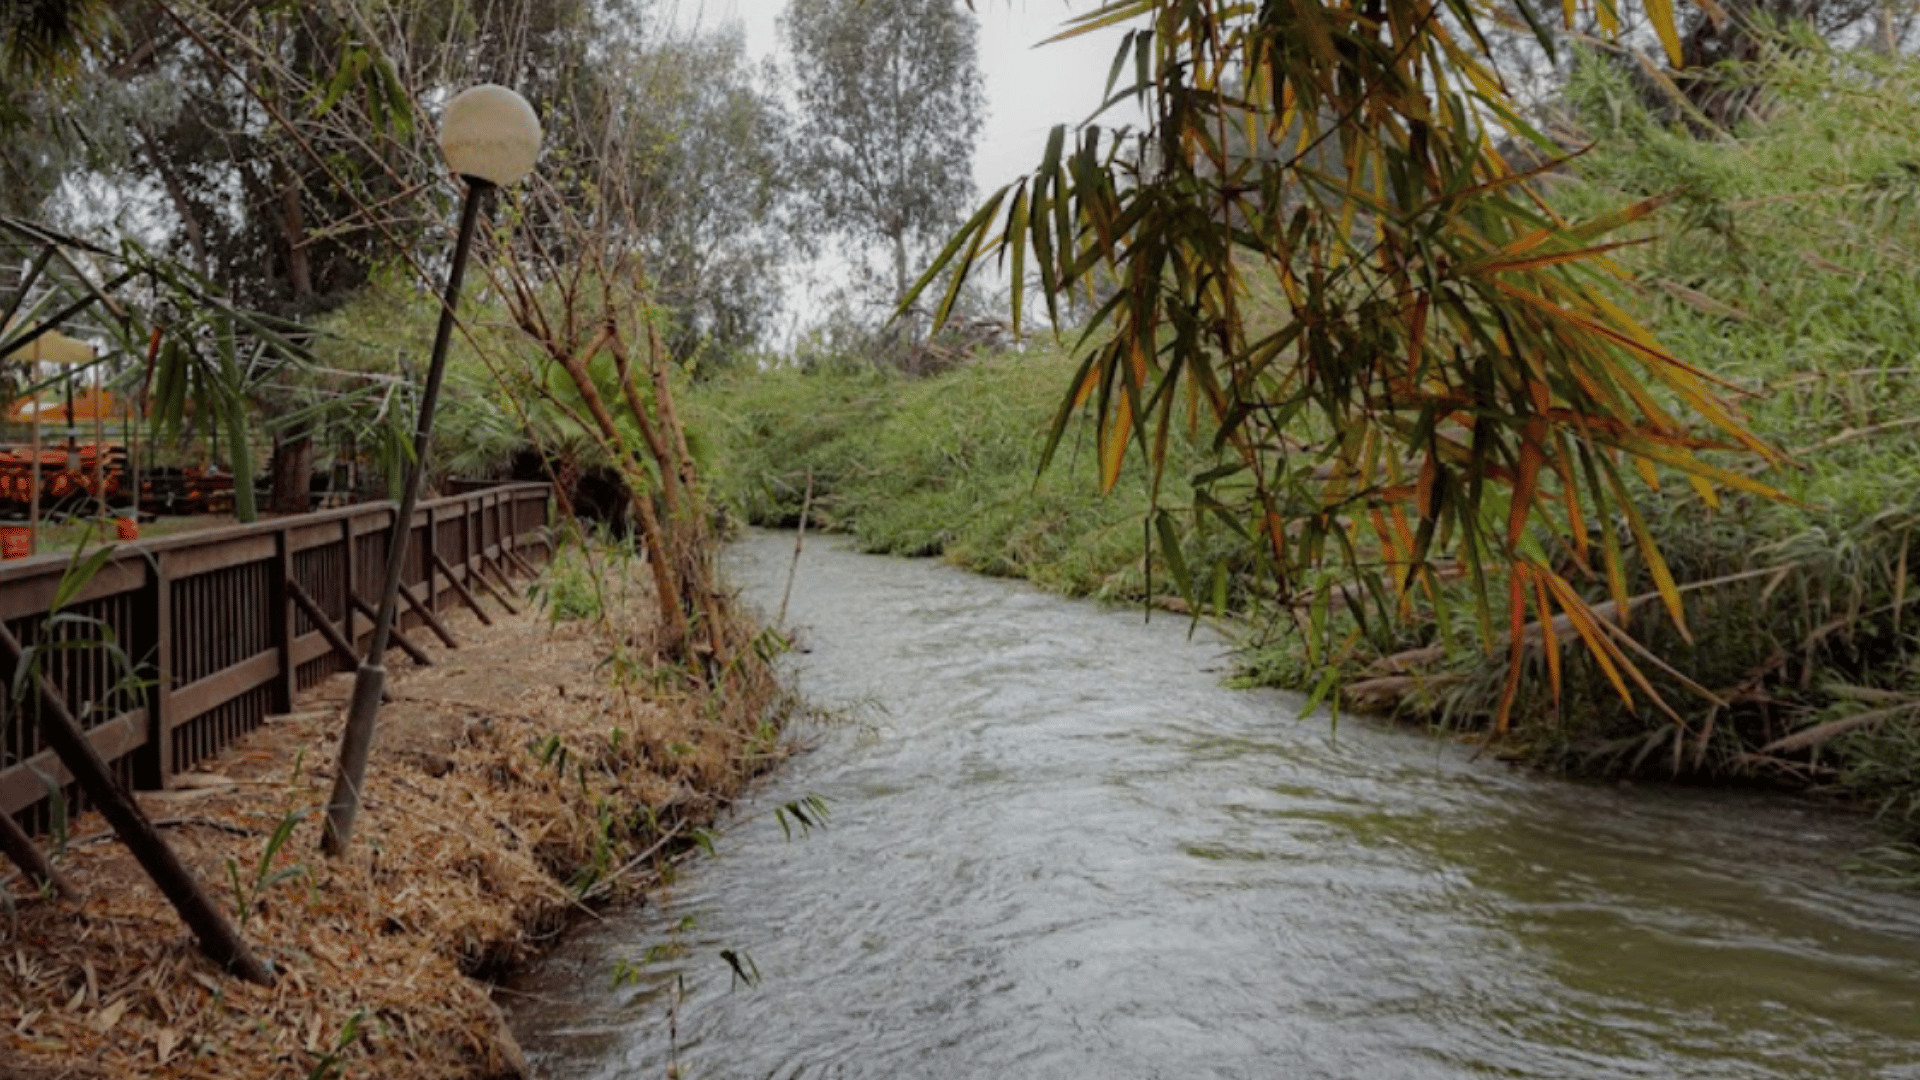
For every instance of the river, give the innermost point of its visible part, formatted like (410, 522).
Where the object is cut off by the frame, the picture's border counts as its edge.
(1059, 847)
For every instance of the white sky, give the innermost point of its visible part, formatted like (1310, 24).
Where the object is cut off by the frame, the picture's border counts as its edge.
(1029, 90)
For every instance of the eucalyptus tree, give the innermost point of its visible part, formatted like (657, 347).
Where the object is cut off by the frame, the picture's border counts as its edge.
(890, 105)
(701, 141)
(1413, 367)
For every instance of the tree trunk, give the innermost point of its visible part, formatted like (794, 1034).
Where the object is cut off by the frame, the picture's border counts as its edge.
(177, 194)
(241, 450)
(899, 267)
(292, 474)
(293, 224)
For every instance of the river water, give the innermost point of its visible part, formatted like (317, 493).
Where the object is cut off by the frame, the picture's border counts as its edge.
(1059, 847)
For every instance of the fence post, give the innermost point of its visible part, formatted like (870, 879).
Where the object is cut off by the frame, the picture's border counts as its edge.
(431, 548)
(346, 586)
(286, 686)
(501, 527)
(154, 767)
(465, 562)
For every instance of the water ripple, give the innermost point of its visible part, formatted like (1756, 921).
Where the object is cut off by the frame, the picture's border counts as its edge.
(1066, 851)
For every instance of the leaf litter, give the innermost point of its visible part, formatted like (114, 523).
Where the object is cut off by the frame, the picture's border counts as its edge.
(514, 783)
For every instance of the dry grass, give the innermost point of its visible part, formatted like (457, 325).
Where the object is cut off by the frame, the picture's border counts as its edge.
(509, 780)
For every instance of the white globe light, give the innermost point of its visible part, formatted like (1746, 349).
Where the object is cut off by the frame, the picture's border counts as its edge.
(491, 133)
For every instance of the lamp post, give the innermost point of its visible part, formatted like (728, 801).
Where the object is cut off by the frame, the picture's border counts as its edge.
(490, 137)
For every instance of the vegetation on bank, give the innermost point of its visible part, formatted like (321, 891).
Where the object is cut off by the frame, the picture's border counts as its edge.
(1783, 266)
(940, 466)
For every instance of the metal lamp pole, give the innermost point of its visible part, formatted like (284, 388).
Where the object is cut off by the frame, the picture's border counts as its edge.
(490, 136)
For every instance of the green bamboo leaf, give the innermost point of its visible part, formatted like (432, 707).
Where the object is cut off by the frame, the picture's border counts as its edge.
(1163, 525)
(351, 64)
(1016, 234)
(80, 571)
(970, 237)
(966, 262)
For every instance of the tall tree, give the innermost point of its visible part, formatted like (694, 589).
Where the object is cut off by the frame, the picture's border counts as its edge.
(890, 104)
(700, 139)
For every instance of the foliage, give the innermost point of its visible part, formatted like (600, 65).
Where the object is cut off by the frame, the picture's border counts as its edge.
(946, 465)
(589, 346)
(283, 150)
(569, 590)
(249, 892)
(1320, 263)
(890, 104)
(1785, 258)
(1782, 259)
(709, 150)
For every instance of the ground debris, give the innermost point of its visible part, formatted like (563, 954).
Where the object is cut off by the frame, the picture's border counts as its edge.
(508, 782)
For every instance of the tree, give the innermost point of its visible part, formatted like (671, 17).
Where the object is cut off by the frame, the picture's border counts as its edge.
(700, 144)
(1413, 366)
(890, 105)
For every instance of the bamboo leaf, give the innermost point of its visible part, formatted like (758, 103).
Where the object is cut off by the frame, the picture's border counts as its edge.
(1660, 13)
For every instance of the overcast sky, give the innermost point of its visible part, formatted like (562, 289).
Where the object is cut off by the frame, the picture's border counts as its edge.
(1029, 89)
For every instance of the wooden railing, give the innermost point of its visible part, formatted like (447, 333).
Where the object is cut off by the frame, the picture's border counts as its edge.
(177, 646)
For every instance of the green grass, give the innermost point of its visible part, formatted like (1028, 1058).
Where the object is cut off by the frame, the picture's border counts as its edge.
(948, 465)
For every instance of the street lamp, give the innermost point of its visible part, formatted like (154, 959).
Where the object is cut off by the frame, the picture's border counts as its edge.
(490, 137)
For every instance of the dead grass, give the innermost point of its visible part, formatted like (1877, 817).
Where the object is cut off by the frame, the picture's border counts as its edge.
(509, 780)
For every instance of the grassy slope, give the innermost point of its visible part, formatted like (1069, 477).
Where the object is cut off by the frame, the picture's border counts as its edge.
(947, 465)
(1786, 268)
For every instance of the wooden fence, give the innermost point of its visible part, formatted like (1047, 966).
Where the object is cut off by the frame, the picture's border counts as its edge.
(213, 631)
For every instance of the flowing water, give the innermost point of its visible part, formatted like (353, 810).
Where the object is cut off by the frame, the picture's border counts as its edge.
(1059, 847)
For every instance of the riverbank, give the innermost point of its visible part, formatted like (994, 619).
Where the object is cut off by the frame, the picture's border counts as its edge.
(535, 774)
(1797, 642)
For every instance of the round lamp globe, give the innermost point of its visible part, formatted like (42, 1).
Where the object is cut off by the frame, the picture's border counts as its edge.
(490, 133)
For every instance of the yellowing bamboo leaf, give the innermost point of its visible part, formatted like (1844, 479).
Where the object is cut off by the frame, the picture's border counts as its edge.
(1656, 565)
(1516, 646)
(1102, 17)
(1660, 14)
(1549, 638)
(1581, 618)
(1113, 443)
(1525, 483)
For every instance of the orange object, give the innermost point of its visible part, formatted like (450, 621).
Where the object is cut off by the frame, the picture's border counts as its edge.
(16, 541)
(128, 527)
(89, 405)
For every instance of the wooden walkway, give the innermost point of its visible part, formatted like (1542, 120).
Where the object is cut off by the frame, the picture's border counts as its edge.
(177, 646)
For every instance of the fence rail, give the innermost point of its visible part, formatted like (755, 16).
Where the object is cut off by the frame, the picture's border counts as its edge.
(178, 646)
